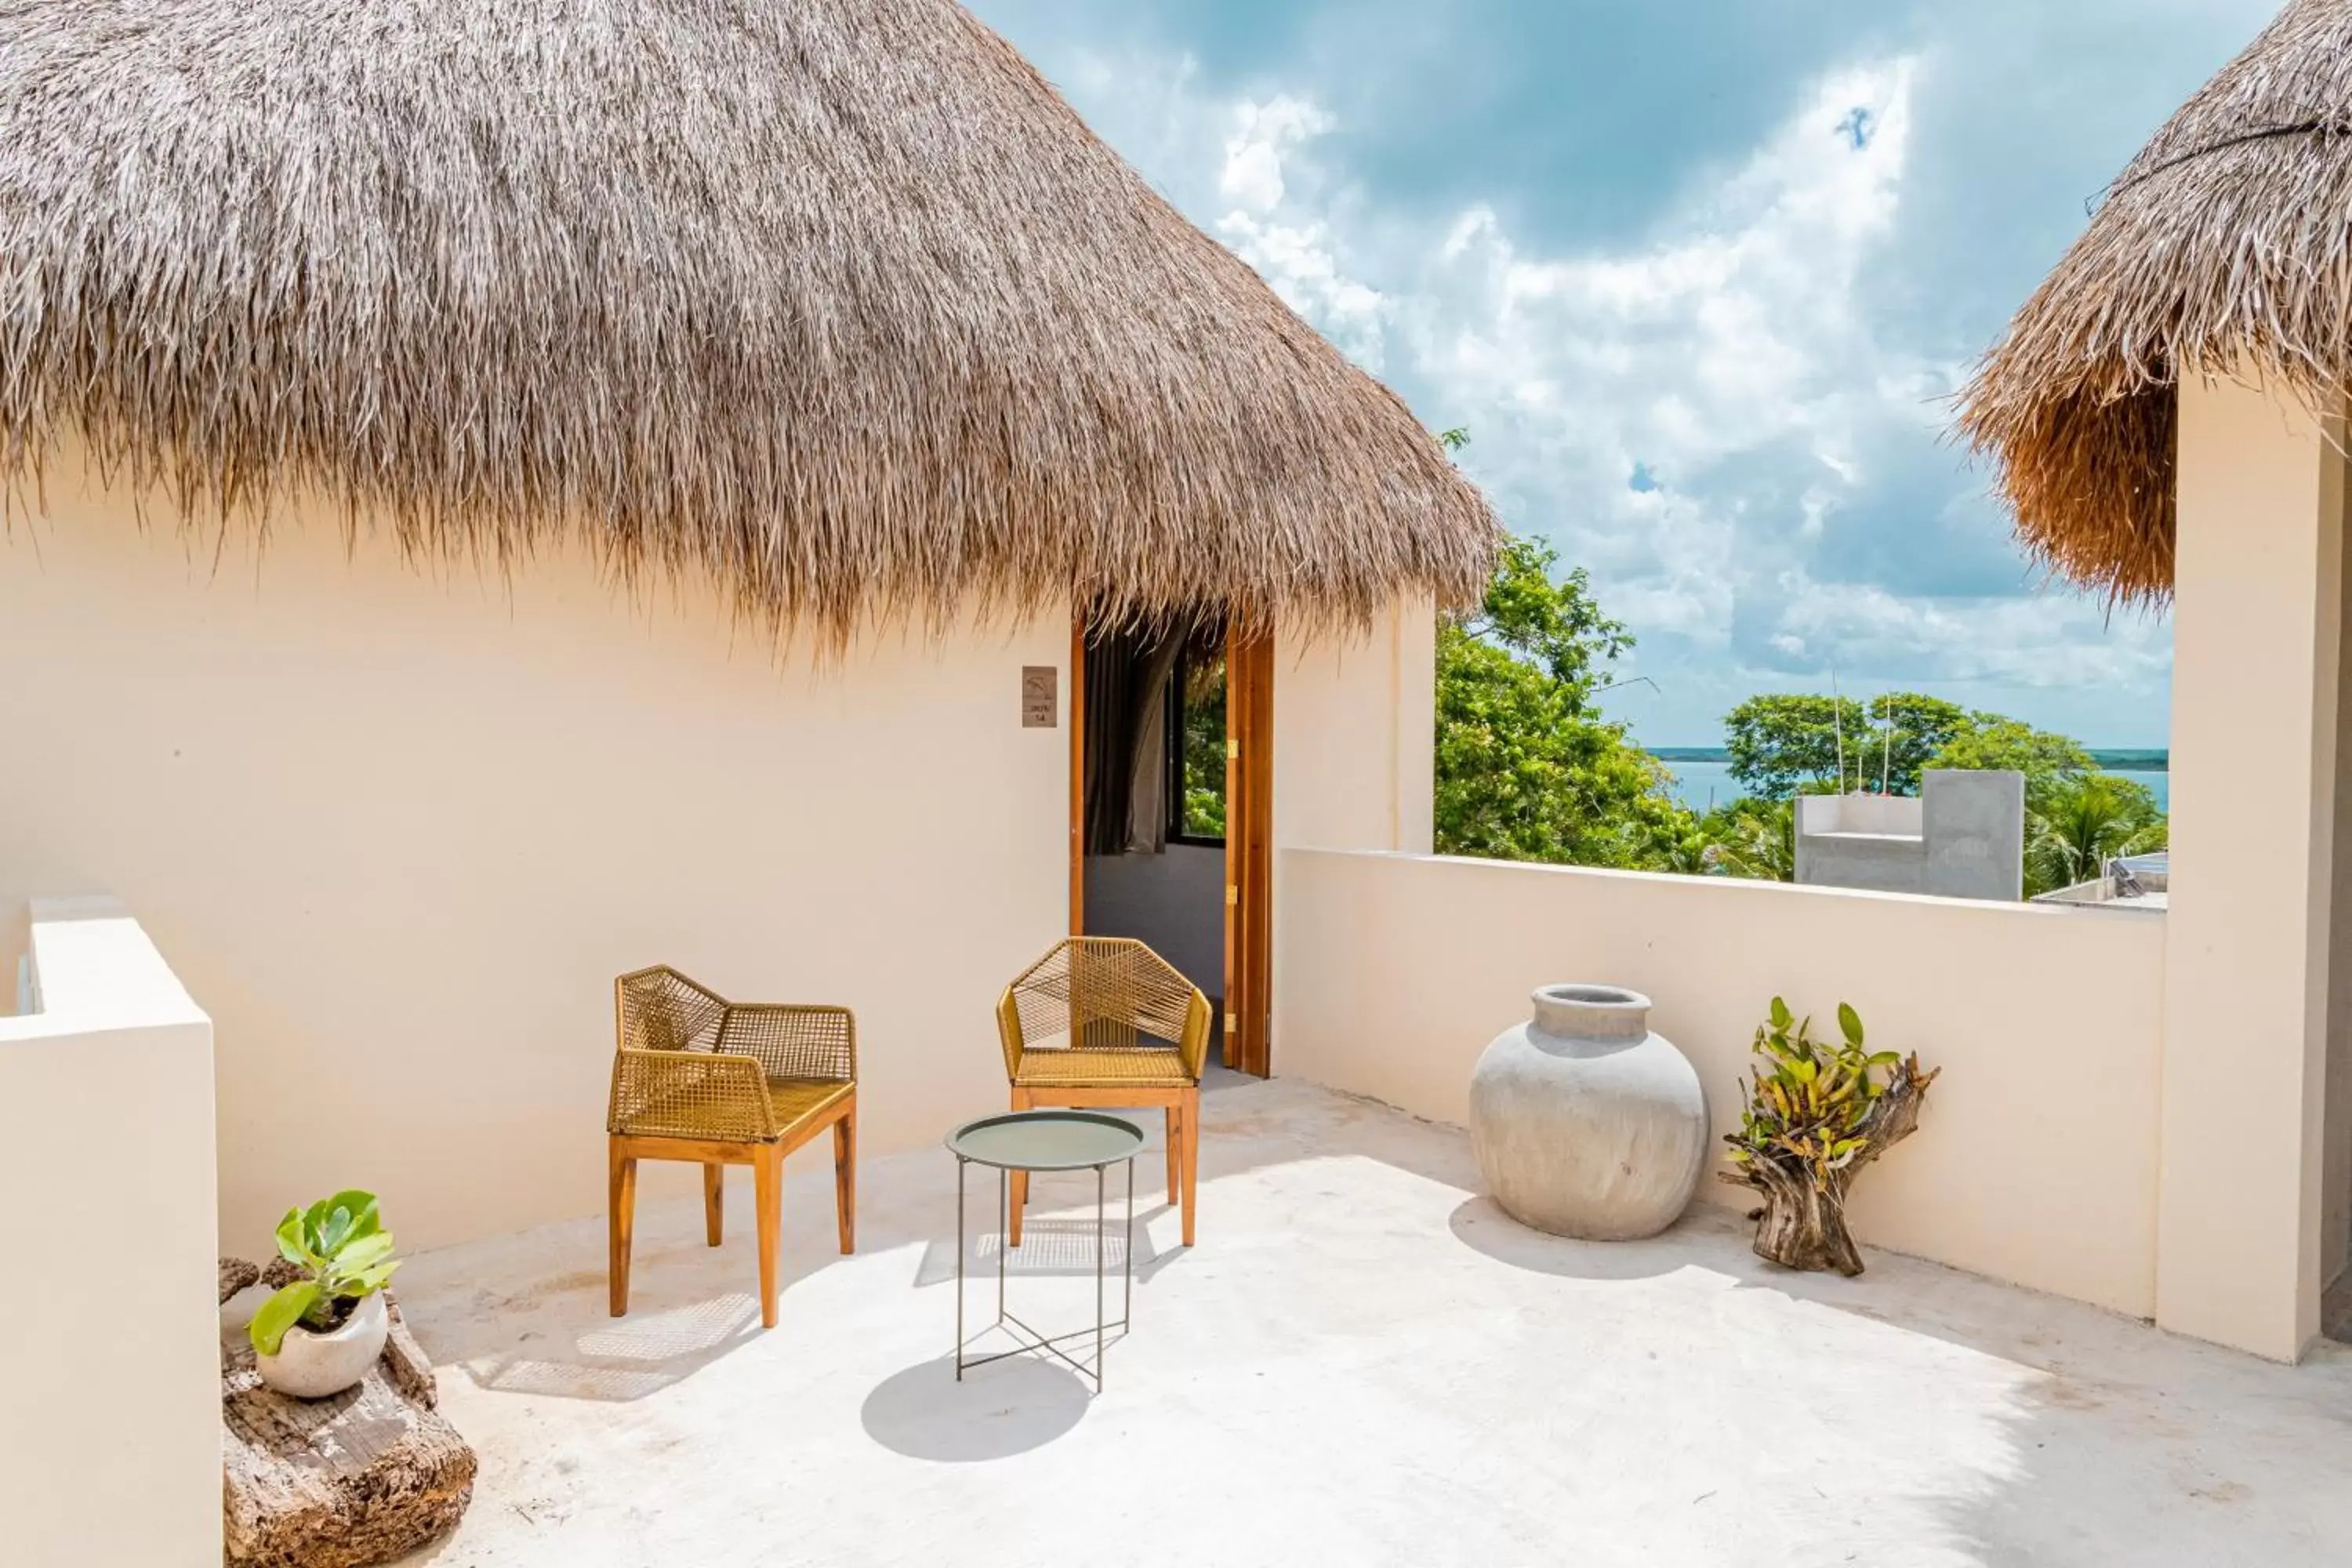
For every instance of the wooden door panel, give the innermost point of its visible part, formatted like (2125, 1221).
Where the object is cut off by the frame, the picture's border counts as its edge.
(1249, 852)
(1075, 706)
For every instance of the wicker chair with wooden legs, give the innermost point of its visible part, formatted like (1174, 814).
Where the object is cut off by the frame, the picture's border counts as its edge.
(720, 1083)
(1105, 1021)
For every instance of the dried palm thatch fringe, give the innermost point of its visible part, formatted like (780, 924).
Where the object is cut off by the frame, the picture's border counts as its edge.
(836, 300)
(2225, 248)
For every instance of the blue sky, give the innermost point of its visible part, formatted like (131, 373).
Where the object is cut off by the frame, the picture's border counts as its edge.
(1697, 275)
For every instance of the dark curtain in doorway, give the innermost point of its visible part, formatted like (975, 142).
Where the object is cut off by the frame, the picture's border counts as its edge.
(1126, 692)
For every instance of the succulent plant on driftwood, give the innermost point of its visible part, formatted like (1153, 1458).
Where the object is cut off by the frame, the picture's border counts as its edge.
(1818, 1111)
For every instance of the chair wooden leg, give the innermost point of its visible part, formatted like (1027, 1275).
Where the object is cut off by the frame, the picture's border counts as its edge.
(1192, 1115)
(620, 1215)
(845, 1176)
(714, 1200)
(1175, 1153)
(768, 1200)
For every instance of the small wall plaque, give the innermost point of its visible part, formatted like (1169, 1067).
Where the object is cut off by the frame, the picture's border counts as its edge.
(1039, 700)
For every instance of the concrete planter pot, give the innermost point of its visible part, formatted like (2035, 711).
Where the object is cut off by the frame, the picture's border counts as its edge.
(1584, 1122)
(313, 1365)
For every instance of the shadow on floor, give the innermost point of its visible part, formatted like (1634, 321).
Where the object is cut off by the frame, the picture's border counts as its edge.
(1050, 1245)
(551, 1334)
(556, 1337)
(1005, 1408)
(1483, 1227)
(690, 1307)
(554, 1334)
(2099, 1439)
(2034, 1431)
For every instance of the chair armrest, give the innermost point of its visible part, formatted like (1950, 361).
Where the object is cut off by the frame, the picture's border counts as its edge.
(1194, 1045)
(792, 1040)
(689, 1094)
(1008, 1032)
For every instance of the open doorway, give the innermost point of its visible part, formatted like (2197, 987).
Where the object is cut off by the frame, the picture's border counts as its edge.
(1172, 812)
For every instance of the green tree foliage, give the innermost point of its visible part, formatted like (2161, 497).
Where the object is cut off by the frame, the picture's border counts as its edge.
(1204, 747)
(2077, 817)
(1752, 838)
(2048, 761)
(2084, 822)
(1527, 768)
(1782, 744)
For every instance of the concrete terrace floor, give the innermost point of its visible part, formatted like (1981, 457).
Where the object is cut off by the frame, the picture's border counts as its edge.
(1361, 1362)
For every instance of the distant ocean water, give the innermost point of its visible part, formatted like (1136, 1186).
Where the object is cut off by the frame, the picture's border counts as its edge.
(1695, 782)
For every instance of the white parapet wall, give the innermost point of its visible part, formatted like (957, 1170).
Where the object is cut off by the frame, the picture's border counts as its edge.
(110, 1434)
(2037, 1159)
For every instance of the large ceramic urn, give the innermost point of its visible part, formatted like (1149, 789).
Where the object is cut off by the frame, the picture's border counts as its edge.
(1585, 1122)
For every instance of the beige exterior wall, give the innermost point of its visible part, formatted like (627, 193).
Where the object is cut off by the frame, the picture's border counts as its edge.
(2256, 649)
(399, 831)
(1355, 714)
(110, 1446)
(2037, 1159)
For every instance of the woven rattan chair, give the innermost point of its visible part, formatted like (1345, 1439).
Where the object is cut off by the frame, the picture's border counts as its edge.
(1104, 1021)
(719, 1083)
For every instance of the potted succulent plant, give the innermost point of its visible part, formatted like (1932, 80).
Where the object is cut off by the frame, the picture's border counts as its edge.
(320, 1334)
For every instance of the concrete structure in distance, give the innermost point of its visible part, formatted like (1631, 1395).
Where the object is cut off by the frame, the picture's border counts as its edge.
(1962, 837)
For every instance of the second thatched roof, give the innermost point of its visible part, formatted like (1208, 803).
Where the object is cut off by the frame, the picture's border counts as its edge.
(836, 299)
(2226, 246)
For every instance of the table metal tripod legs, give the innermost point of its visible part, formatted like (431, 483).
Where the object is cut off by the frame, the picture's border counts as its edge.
(1010, 1324)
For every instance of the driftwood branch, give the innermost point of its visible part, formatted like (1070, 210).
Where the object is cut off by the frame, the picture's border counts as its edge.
(1802, 1223)
(363, 1478)
(235, 1274)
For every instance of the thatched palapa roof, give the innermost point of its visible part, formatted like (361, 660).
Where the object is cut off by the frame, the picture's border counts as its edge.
(837, 299)
(2225, 246)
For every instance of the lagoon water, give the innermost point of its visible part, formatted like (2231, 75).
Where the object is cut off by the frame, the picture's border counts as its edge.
(1700, 784)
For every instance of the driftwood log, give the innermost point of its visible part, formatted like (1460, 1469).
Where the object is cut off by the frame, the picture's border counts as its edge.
(360, 1478)
(1803, 1222)
(235, 1274)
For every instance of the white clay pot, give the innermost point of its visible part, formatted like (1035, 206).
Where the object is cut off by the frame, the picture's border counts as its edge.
(311, 1365)
(1584, 1122)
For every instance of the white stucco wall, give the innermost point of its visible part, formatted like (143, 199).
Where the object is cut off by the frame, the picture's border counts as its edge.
(400, 830)
(109, 1432)
(2258, 568)
(2037, 1158)
(1355, 716)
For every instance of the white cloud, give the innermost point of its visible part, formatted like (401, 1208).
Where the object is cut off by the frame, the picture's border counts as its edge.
(1736, 331)
(1297, 258)
(1689, 415)
(1229, 166)
(2032, 641)
(1262, 132)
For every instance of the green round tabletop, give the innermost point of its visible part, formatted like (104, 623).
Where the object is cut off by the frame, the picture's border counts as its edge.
(1046, 1139)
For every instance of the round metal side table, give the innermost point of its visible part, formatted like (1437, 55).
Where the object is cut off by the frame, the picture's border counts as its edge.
(1035, 1140)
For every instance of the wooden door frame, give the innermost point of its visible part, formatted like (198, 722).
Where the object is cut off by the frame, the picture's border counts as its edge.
(1077, 708)
(1249, 853)
(1249, 837)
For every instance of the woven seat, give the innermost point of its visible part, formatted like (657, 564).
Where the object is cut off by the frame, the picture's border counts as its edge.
(797, 1098)
(1105, 1021)
(719, 1083)
(1152, 1068)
